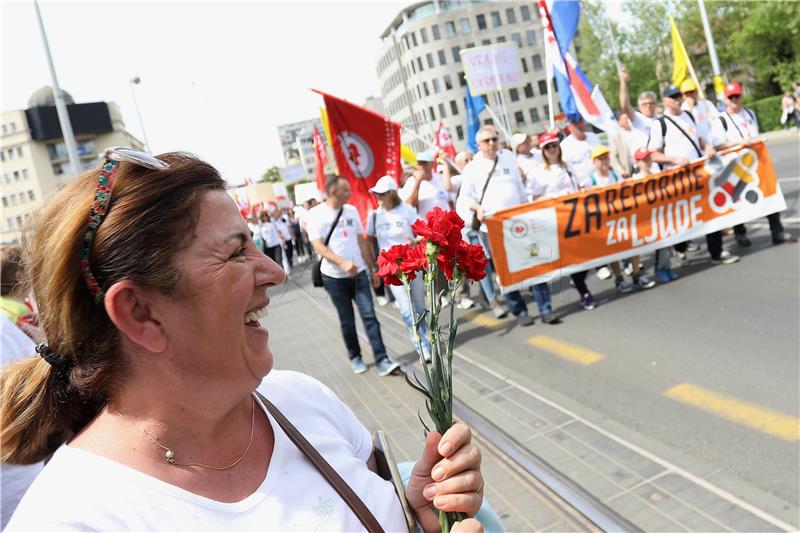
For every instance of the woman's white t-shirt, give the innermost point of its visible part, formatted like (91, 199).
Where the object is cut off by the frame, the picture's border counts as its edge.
(392, 227)
(344, 239)
(431, 194)
(79, 490)
(269, 233)
(552, 181)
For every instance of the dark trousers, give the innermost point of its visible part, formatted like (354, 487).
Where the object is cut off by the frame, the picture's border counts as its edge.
(288, 249)
(713, 241)
(274, 253)
(579, 279)
(343, 292)
(775, 225)
(514, 298)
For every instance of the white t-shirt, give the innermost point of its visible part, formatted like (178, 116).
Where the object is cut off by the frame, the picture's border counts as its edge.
(579, 153)
(505, 188)
(269, 234)
(553, 181)
(283, 229)
(675, 143)
(704, 113)
(742, 126)
(344, 240)
(529, 164)
(392, 227)
(79, 490)
(635, 139)
(15, 479)
(431, 194)
(642, 122)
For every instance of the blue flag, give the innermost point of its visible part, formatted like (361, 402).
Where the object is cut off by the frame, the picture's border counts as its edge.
(474, 106)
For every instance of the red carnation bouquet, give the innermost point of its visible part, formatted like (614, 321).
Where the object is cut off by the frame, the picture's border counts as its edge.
(440, 248)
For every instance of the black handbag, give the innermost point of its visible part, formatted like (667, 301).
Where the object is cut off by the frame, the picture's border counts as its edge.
(316, 270)
(476, 224)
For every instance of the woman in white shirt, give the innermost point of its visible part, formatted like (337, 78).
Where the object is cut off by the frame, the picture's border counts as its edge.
(155, 393)
(270, 237)
(555, 177)
(391, 224)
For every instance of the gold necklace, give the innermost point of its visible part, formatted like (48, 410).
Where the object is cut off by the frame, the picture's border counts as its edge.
(170, 455)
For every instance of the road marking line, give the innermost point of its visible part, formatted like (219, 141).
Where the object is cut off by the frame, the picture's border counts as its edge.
(697, 480)
(793, 178)
(488, 322)
(565, 350)
(747, 414)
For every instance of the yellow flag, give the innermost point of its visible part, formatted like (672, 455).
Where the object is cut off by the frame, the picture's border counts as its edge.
(323, 113)
(408, 155)
(680, 69)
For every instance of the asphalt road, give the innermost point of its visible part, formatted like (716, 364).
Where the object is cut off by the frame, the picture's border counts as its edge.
(703, 371)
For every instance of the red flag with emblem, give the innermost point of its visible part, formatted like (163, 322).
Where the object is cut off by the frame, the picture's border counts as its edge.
(366, 146)
(320, 160)
(444, 142)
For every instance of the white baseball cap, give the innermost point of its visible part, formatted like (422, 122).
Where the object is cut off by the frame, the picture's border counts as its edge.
(517, 139)
(384, 184)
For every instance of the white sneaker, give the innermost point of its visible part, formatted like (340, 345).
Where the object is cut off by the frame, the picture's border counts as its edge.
(382, 300)
(445, 301)
(628, 269)
(603, 273)
(465, 303)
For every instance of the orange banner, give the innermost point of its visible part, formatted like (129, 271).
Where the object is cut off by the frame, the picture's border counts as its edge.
(536, 242)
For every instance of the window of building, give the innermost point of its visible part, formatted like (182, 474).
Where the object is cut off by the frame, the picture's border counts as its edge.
(442, 113)
(536, 62)
(7, 176)
(460, 133)
(524, 65)
(481, 19)
(413, 38)
(419, 65)
(465, 25)
(456, 54)
(528, 90)
(429, 59)
(462, 80)
(19, 151)
(431, 115)
(5, 130)
(511, 17)
(22, 197)
(488, 122)
(546, 110)
(450, 28)
(495, 19)
(13, 126)
(519, 118)
(542, 87)
(16, 175)
(13, 199)
(10, 222)
(530, 37)
(423, 35)
(453, 107)
(442, 58)
(2, 155)
(31, 196)
(435, 32)
(486, 41)
(11, 153)
(534, 115)
(19, 221)
(413, 68)
(5, 201)
(448, 83)
(517, 39)
(425, 88)
(501, 39)
(525, 12)
(470, 45)
(436, 86)
(513, 93)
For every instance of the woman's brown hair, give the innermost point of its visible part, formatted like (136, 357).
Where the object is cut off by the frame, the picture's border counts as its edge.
(151, 216)
(10, 266)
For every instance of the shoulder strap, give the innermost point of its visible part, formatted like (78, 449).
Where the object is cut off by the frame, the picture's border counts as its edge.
(489, 178)
(734, 125)
(331, 476)
(333, 226)
(724, 123)
(694, 144)
(751, 113)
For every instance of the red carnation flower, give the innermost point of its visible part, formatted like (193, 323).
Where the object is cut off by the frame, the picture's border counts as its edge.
(471, 260)
(389, 264)
(414, 259)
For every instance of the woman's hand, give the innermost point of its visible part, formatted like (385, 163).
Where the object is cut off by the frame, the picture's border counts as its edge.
(448, 476)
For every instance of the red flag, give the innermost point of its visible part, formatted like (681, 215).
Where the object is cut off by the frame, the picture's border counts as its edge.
(321, 159)
(366, 146)
(444, 142)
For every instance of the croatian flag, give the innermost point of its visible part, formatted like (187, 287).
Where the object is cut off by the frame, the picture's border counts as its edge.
(579, 98)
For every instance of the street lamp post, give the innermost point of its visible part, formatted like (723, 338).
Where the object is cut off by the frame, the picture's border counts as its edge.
(136, 80)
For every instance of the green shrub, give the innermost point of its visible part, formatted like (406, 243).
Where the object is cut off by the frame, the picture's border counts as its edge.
(768, 112)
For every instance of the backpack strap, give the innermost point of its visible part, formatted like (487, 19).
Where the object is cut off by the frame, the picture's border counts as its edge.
(694, 144)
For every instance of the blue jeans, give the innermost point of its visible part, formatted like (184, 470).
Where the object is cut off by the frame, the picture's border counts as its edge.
(541, 291)
(417, 303)
(514, 298)
(487, 283)
(343, 291)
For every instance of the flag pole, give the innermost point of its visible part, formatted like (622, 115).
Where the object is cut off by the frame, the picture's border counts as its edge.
(548, 69)
(500, 97)
(500, 126)
(719, 86)
(613, 41)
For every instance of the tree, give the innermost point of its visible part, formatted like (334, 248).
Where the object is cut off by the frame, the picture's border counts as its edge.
(272, 175)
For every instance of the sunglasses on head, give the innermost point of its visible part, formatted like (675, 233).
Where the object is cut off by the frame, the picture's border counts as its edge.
(102, 199)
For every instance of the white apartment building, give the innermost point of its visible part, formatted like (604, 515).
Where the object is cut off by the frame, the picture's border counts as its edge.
(422, 77)
(33, 157)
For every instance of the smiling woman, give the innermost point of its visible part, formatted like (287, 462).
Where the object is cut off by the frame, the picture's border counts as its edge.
(154, 396)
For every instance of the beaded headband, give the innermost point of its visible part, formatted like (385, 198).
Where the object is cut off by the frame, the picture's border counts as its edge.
(102, 201)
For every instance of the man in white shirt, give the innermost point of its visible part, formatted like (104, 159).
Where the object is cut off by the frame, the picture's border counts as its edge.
(528, 157)
(344, 271)
(424, 190)
(738, 126)
(490, 183)
(624, 143)
(647, 101)
(702, 110)
(576, 149)
(674, 142)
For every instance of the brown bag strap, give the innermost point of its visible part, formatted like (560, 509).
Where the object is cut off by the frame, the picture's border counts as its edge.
(339, 485)
(488, 179)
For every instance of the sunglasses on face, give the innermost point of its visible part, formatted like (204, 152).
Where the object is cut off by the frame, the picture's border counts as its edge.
(489, 140)
(551, 146)
(734, 97)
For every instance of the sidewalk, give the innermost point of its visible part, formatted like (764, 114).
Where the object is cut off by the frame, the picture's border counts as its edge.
(638, 485)
(305, 337)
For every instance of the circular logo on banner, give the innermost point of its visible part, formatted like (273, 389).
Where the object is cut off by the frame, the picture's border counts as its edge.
(519, 229)
(358, 153)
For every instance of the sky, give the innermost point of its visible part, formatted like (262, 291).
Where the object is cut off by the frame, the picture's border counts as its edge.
(217, 78)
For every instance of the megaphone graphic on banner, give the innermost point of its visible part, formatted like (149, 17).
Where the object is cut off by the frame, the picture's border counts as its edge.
(733, 182)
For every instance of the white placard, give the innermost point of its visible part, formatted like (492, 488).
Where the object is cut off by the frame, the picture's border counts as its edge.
(490, 67)
(306, 191)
